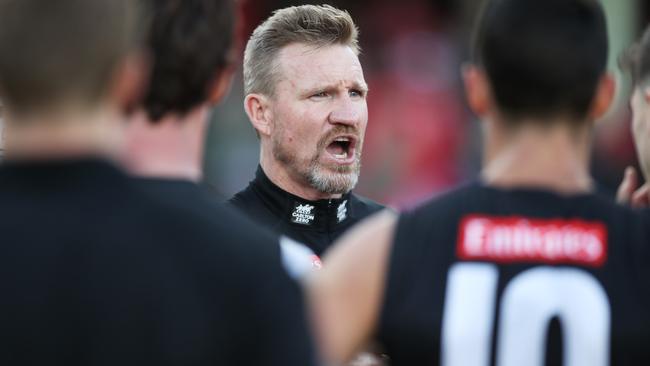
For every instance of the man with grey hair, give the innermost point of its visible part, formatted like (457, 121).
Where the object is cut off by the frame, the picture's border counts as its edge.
(306, 99)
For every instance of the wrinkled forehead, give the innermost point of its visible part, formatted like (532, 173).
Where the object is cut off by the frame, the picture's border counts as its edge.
(306, 66)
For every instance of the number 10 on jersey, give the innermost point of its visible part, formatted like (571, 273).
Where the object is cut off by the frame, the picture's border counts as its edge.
(528, 303)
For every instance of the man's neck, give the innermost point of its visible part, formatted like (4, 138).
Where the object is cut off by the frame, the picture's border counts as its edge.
(63, 135)
(172, 147)
(554, 158)
(277, 174)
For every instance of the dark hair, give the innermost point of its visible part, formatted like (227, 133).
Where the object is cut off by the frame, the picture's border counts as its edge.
(55, 52)
(636, 59)
(543, 58)
(190, 42)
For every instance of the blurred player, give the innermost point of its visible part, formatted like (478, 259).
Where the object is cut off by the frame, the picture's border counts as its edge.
(526, 266)
(192, 52)
(306, 99)
(637, 61)
(93, 271)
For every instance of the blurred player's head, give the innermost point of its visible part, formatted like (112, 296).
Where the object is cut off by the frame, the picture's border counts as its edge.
(191, 47)
(540, 60)
(69, 69)
(636, 60)
(63, 54)
(306, 98)
(191, 50)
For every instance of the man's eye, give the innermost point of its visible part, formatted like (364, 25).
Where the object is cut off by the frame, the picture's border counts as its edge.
(356, 93)
(322, 94)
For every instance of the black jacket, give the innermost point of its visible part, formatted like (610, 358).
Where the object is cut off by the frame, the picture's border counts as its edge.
(314, 223)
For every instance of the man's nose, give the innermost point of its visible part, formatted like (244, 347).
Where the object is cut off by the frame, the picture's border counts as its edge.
(346, 112)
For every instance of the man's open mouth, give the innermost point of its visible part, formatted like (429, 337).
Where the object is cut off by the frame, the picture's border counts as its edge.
(342, 148)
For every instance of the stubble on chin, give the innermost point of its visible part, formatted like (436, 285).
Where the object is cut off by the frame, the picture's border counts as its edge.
(325, 178)
(340, 180)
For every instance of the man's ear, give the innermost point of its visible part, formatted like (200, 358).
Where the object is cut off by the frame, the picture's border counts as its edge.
(220, 85)
(477, 89)
(604, 96)
(130, 82)
(258, 109)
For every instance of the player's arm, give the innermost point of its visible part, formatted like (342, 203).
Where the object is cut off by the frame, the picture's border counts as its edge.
(345, 296)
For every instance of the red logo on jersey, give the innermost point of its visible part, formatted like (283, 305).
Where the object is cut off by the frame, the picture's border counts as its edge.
(520, 239)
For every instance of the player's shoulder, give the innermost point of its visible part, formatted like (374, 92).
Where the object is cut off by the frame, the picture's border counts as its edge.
(479, 197)
(444, 213)
(229, 217)
(233, 225)
(214, 225)
(190, 204)
(364, 206)
(243, 199)
(449, 203)
(248, 202)
(239, 199)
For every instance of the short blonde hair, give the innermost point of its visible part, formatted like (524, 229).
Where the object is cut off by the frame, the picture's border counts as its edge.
(316, 25)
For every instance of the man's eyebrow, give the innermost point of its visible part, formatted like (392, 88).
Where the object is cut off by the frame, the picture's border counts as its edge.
(361, 86)
(333, 87)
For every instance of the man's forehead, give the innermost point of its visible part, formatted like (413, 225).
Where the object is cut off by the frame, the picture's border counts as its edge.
(304, 64)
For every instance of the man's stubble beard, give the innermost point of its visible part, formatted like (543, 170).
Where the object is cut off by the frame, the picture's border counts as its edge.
(342, 180)
(335, 179)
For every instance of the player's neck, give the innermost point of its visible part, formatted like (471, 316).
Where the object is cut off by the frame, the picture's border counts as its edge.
(281, 177)
(70, 133)
(554, 158)
(172, 147)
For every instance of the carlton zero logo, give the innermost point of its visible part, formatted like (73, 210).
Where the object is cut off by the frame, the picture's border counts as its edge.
(302, 214)
(520, 239)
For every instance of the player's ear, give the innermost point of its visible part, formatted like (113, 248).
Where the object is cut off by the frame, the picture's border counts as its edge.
(129, 82)
(605, 92)
(220, 85)
(477, 89)
(258, 109)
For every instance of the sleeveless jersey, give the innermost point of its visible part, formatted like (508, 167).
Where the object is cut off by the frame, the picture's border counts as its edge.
(484, 276)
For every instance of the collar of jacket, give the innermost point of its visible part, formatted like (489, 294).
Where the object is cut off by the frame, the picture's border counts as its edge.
(323, 214)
